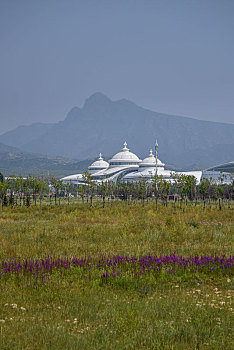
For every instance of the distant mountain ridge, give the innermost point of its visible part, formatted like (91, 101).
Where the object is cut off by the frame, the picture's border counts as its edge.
(102, 125)
(25, 134)
(15, 161)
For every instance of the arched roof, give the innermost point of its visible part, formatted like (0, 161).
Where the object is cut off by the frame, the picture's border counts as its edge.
(124, 156)
(150, 161)
(227, 167)
(99, 164)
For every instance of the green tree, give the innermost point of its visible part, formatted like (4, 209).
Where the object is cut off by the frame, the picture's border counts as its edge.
(204, 190)
(165, 189)
(89, 181)
(1, 178)
(142, 188)
(3, 192)
(104, 188)
(155, 182)
(57, 186)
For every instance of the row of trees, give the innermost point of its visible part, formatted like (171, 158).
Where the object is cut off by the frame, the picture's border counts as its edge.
(26, 191)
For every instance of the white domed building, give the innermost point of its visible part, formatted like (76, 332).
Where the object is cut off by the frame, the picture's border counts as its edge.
(124, 158)
(147, 169)
(98, 165)
(126, 166)
(120, 164)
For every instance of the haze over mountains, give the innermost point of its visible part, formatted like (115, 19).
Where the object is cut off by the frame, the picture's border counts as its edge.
(17, 162)
(102, 125)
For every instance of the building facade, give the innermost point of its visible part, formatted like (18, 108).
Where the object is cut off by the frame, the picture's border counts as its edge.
(126, 166)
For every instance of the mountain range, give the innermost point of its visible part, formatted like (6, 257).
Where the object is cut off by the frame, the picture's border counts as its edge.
(17, 162)
(102, 125)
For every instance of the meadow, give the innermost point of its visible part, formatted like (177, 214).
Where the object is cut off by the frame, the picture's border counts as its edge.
(120, 277)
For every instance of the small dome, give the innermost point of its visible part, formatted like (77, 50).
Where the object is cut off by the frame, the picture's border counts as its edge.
(99, 164)
(125, 157)
(150, 161)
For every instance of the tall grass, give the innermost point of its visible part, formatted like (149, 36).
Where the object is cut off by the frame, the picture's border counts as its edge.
(186, 310)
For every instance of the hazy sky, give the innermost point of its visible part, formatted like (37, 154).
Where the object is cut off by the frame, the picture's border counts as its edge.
(173, 56)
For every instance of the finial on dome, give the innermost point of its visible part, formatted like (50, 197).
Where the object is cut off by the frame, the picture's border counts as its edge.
(151, 153)
(100, 156)
(125, 147)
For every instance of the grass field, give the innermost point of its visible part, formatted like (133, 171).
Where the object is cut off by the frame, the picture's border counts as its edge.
(72, 306)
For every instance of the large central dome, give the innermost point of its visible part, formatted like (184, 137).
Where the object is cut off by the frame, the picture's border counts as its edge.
(125, 157)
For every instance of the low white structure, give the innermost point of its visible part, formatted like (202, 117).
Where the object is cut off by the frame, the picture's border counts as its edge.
(220, 174)
(126, 166)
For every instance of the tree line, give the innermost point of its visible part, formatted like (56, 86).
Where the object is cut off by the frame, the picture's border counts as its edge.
(19, 191)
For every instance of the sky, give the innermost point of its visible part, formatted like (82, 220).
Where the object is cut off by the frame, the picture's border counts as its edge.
(171, 56)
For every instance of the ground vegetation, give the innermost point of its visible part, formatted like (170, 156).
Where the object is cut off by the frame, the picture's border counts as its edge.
(122, 276)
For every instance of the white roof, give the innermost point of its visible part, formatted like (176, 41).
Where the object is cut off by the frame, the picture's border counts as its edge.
(196, 173)
(99, 164)
(149, 172)
(114, 170)
(150, 161)
(125, 156)
(72, 177)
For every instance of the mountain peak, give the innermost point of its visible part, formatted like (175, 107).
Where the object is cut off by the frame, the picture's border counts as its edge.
(97, 98)
(101, 123)
(72, 115)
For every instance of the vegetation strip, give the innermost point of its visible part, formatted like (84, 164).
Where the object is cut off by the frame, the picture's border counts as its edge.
(106, 267)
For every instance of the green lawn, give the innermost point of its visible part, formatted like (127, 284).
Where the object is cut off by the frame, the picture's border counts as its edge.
(185, 310)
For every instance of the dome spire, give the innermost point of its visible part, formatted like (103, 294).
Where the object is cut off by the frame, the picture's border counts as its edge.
(151, 153)
(125, 147)
(100, 156)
